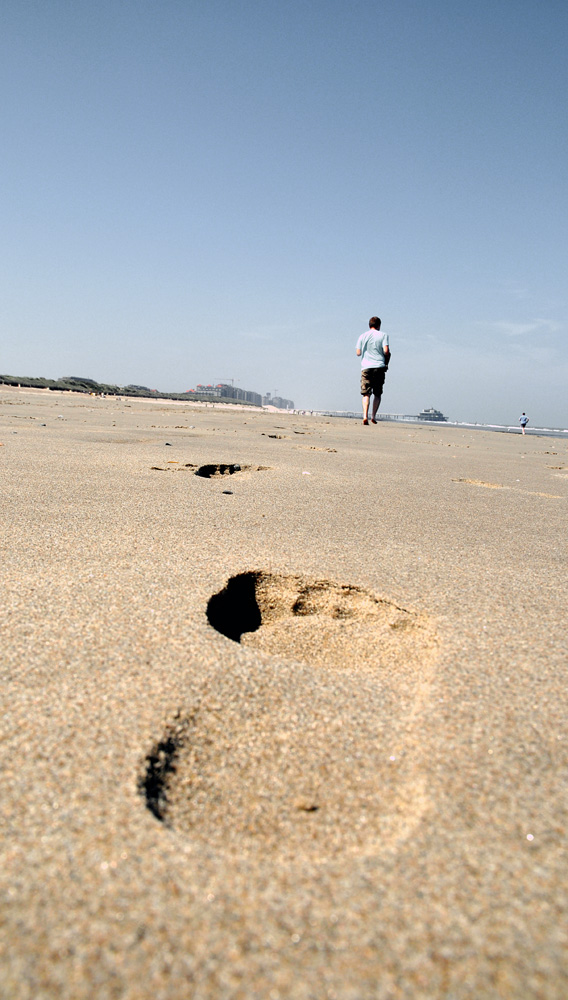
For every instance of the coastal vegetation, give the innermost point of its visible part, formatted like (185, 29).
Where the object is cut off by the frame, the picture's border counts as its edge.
(71, 383)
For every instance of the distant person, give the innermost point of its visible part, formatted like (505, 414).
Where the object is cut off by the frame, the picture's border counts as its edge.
(523, 420)
(373, 349)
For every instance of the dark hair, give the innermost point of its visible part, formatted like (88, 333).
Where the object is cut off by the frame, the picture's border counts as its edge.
(375, 323)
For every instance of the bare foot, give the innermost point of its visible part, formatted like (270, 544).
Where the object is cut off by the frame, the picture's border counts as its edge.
(365, 421)
(373, 421)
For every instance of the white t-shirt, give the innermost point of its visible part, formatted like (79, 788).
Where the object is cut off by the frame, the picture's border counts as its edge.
(372, 345)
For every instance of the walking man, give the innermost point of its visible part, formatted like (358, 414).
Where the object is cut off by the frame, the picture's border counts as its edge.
(523, 420)
(373, 349)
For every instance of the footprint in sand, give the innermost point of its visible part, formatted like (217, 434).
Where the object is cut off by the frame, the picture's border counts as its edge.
(291, 764)
(174, 466)
(313, 447)
(221, 469)
(209, 471)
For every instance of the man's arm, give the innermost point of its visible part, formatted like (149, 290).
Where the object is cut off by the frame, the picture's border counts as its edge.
(358, 351)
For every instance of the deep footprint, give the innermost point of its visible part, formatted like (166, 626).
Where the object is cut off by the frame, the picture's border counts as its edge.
(227, 469)
(293, 763)
(317, 621)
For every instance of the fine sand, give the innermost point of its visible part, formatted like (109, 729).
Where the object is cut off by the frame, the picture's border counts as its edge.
(365, 798)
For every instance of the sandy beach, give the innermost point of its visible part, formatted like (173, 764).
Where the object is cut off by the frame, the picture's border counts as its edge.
(363, 794)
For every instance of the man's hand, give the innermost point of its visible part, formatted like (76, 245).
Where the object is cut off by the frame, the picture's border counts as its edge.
(358, 352)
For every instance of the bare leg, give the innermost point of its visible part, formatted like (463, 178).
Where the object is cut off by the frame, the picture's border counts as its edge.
(523, 429)
(376, 401)
(366, 409)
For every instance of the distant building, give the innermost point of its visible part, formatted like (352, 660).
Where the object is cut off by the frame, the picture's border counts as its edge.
(431, 414)
(223, 391)
(278, 401)
(208, 390)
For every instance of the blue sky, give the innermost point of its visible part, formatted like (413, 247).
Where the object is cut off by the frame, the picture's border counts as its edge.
(195, 191)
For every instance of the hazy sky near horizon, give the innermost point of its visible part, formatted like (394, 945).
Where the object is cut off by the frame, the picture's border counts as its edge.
(194, 192)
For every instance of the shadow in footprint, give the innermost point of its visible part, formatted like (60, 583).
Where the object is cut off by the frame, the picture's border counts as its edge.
(160, 767)
(227, 469)
(220, 469)
(234, 610)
